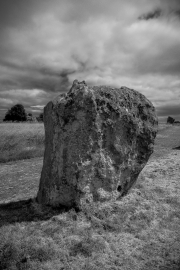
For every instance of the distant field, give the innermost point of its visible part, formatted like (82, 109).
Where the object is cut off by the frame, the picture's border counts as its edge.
(21, 141)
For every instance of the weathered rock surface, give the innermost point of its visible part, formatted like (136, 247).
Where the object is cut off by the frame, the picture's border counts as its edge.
(97, 141)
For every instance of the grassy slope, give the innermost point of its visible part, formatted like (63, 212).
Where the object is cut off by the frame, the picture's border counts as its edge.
(21, 141)
(142, 231)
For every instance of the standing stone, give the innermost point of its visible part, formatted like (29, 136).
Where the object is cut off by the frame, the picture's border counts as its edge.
(97, 141)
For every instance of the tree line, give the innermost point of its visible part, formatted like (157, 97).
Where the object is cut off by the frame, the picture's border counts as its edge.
(18, 114)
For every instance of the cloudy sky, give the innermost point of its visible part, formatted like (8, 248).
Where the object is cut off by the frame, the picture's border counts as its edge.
(46, 44)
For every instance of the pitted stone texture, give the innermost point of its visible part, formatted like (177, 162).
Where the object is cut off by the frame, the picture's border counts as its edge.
(97, 141)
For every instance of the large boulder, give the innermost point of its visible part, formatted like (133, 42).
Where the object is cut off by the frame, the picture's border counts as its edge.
(97, 141)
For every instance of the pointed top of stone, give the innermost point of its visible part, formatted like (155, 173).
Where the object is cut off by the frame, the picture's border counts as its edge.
(76, 85)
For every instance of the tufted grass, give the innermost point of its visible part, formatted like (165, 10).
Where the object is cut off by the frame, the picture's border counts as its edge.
(141, 231)
(21, 141)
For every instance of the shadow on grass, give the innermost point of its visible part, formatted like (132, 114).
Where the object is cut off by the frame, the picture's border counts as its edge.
(176, 148)
(27, 211)
(171, 265)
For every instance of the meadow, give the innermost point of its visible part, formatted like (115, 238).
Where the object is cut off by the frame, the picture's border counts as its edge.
(141, 231)
(21, 141)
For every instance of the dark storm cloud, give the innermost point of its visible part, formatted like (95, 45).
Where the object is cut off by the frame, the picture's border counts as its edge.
(159, 13)
(35, 76)
(151, 15)
(165, 8)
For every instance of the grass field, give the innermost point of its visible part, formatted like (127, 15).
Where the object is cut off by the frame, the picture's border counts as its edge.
(21, 141)
(140, 232)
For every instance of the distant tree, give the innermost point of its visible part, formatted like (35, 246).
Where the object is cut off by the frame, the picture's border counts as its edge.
(8, 116)
(16, 113)
(40, 118)
(170, 120)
